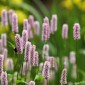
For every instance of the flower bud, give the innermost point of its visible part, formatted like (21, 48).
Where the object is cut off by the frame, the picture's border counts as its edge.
(25, 24)
(31, 83)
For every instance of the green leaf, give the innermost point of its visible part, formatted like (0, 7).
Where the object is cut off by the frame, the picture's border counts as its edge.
(11, 45)
(80, 83)
(20, 81)
(42, 7)
(82, 72)
(10, 75)
(38, 77)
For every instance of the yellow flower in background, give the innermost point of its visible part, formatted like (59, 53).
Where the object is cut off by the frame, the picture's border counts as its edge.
(67, 4)
(21, 16)
(82, 6)
(77, 2)
(17, 1)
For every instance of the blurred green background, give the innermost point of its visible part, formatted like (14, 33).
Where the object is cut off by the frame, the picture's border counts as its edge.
(68, 11)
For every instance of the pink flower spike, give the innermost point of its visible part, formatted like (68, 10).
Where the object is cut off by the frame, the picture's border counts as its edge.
(18, 44)
(10, 15)
(54, 23)
(4, 18)
(46, 20)
(36, 28)
(4, 40)
(30, 34)
(45, 32)
(25, 24)
(65, 31)
(27, 52)
(14, 23)
(46, 70)
(36, 58)
(33, 48)
(72, 57)
(1, 63)
(4, 80)
(24, 37)
(51, 60)
(76, 31)
(63, 80)
(31, 20)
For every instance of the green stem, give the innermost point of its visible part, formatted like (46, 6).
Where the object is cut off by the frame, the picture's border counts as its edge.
(77, 60)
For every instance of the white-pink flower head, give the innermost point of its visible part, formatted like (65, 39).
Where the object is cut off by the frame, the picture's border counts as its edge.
(4, 18)
(14, 23)
(76, 31)
(65, 31)
(36, 27)
(46, 70)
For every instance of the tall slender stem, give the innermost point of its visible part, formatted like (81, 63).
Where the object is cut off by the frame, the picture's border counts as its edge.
(46, 82)
(77, 59)
(26, 72)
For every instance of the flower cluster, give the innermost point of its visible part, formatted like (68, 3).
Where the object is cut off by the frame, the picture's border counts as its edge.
(24, 45)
